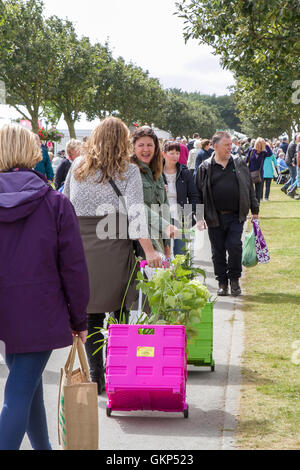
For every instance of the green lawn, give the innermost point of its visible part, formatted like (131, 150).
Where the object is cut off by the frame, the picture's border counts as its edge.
(270, 402)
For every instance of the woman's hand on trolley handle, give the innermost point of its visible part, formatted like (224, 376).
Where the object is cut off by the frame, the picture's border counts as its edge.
(153, 258)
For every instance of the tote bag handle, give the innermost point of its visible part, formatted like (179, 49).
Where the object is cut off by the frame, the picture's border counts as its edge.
(79, 348)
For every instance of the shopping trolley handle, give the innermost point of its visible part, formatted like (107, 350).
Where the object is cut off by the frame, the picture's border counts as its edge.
(165, 263)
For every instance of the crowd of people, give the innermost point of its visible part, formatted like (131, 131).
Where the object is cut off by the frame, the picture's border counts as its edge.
(71, 232)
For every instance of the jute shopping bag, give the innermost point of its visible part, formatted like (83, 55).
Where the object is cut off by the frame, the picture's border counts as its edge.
(77, 404)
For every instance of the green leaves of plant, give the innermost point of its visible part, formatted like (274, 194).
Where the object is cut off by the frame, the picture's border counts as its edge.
(175, 296)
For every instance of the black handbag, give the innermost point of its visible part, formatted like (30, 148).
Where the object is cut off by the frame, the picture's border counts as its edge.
(256, 175)
(138, 250)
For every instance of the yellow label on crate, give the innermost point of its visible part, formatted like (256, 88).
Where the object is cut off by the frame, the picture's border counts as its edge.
(145, 352)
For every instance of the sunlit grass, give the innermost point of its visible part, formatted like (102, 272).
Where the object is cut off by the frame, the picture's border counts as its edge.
(270, 402)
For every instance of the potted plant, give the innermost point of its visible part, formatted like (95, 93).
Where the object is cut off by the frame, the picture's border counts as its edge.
(175, 296)
(55, 135)
(43, 134)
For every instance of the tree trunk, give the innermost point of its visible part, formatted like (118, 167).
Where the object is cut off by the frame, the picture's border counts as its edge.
(35, 124)
(71, 127)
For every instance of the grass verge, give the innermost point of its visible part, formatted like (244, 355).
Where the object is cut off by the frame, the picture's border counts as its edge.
(269, 413)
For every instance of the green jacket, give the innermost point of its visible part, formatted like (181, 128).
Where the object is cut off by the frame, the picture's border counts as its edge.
(157, 207)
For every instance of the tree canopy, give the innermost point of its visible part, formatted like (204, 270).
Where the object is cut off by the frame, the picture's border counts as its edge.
(27, 58)
(259, 41)
(49, 71)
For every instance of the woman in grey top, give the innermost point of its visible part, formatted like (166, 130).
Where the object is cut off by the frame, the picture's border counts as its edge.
(105, 226)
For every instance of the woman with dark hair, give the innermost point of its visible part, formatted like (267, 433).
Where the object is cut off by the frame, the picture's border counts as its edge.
(147, 156)
(181, 190)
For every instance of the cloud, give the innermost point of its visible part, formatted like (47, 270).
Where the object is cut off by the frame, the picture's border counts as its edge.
(151, 37)
(205, 82)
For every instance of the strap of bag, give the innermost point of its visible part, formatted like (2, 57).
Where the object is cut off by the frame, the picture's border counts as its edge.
(118, 192)
(250, 157)
(120, 195)
(79, 348)
(262, 161)
(136, 246)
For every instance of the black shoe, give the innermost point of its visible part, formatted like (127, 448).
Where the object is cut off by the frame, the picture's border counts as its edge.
(223, 290)
(283, 190)
(292, 193)
(235, 288)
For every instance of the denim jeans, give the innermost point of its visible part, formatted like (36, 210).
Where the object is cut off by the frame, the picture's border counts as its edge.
(179, 246)
(293, 175)
(227, 240)
(23, 409)
(267, 182)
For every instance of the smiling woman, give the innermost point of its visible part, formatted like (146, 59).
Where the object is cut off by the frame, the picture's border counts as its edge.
(147, 156)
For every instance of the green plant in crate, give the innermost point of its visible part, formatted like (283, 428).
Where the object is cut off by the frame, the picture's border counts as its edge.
(175, 296)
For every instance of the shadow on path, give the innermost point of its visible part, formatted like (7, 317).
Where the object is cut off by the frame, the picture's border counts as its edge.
(200, 423)
(273, 298)
(219, 378)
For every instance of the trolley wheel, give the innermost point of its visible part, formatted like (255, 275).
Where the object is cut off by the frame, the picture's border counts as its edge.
(186, 412)
(108, 412)
(212, 368)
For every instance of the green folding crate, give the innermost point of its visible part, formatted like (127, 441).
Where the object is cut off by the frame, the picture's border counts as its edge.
(200, 349)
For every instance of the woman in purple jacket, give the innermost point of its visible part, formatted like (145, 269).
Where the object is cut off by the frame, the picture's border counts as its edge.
(44, 289)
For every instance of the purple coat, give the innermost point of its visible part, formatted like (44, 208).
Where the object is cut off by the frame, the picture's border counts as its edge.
(44, 287)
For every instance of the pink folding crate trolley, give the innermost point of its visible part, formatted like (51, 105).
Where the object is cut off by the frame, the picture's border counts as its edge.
(146, 371)
(146, 367)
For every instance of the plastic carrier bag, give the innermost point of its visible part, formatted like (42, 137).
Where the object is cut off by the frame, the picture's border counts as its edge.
(262, 251)
(249, 258)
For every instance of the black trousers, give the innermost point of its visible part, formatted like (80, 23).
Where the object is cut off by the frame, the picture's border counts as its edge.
(96, 362)
(258, 190)
(227, 247)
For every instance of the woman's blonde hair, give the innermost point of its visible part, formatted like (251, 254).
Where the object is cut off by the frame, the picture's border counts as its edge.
(260, 145)
(108, 150)
(198, 144)
(73, 144)
(18, 148)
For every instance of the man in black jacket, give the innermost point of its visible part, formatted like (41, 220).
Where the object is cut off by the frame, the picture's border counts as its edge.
(226, 190)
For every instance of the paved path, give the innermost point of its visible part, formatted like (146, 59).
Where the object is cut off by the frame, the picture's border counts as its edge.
(212, 396)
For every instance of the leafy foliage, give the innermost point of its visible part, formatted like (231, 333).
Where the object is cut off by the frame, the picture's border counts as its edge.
(259, 41)
(73, 85)
(124, 90)
(51, 72)
(27, 57)
(175, 296)
(186, 113)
